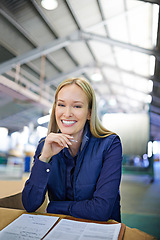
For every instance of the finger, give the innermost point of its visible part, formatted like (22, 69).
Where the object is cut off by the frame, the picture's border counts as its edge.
(66, 140)
(62, 141)
(67, 136)
(71, 139)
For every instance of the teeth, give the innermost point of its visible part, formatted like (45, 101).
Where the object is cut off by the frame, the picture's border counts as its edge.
(68, 122)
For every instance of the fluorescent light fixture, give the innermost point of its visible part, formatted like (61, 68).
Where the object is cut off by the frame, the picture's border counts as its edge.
(155, 147)
(112, 102)
(150, 85)
(155, 13)
(49, 4)
(96, 77)
(3, 131)
(150, 149)
(148, 98)
(43, 119)
(152, 64)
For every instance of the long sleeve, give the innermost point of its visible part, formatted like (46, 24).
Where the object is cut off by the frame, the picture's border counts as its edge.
(33, 194)
(103, 204)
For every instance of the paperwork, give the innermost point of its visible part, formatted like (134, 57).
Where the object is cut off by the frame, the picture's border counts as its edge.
(28, 227)
(75, 230)
(36, 227)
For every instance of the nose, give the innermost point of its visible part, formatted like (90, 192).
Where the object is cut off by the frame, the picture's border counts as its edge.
(68, 112)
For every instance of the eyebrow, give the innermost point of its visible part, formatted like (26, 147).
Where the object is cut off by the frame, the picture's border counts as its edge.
(74, 101)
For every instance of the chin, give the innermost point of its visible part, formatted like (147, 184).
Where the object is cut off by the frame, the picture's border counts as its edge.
(66, 131)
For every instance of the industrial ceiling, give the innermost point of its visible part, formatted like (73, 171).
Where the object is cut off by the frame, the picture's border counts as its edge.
(117, 40)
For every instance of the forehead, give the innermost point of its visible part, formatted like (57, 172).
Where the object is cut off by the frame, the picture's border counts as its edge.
(72, 92)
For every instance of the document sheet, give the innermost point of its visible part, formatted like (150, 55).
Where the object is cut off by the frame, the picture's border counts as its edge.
(75, 230)
(28, 227)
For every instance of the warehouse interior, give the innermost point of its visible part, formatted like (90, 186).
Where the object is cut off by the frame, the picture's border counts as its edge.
(115, 45)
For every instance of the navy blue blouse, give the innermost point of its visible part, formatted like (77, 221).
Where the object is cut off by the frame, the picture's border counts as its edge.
(70, 166)
(84, 186)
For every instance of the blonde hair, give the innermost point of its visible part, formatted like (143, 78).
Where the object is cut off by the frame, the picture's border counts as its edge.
(96, 127)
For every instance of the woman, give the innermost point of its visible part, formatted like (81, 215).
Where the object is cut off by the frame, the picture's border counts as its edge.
(79, 162)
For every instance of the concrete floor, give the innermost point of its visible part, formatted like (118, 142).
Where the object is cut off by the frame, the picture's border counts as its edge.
(140, 201)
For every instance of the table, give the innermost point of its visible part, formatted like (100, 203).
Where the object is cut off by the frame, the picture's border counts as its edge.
(7, 215)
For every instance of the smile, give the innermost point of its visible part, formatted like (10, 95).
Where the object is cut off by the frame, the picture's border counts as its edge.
(68, 122)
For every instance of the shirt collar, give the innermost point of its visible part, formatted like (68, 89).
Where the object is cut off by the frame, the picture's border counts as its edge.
(85, 137)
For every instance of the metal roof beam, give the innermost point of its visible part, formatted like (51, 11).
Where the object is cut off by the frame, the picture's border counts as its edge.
(23, 92)
(43, 16)
(16, 25)
(33, 54)
(82, 70)
(74, 72)
(24, 33)
(92, 36)
(107, 34)
(69, 6)
(63, 42)
(101, 65)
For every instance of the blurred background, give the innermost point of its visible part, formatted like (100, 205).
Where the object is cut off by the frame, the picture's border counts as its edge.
(115, 45)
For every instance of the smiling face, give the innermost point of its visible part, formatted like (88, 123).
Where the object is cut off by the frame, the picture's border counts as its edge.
(72, 110)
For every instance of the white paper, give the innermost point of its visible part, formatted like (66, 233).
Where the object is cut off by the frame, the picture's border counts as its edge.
(75, 230)
(27, 227)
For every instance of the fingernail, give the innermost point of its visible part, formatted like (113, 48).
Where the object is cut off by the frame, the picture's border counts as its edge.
(73, 140)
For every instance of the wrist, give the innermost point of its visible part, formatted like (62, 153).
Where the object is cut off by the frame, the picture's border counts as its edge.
(43, 159)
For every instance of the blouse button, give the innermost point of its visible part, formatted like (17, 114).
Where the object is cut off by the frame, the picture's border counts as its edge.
(47, 170)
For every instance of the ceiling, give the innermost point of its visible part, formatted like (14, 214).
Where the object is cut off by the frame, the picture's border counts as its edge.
(120, 40)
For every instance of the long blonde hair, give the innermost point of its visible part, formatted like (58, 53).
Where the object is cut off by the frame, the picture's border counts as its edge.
(96, 127)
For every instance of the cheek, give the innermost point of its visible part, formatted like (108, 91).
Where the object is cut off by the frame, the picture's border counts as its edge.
(83, 115)
(79, 113)
(57, 113)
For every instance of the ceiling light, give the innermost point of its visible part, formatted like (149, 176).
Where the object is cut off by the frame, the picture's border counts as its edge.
(3, 131)
(152, 64)
(148, 98)
(150, 149)
(96, 77)
(49, 4)
(150, 85)
(112, 102)
(155, 147)
(155, 14)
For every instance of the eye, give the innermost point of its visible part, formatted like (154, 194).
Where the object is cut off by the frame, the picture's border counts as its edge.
(78, 106)
(60, 105)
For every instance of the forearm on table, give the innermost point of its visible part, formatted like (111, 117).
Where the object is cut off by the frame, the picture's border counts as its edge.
(35, 188)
